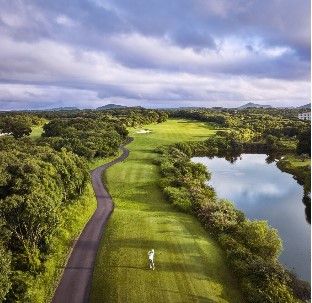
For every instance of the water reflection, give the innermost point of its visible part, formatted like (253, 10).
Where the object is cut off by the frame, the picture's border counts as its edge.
(262, 191)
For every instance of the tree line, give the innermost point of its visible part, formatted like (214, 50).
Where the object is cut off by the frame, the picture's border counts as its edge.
(37, 182)
(257, 125)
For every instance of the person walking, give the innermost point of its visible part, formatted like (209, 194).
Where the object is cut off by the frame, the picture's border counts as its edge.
(151, 255)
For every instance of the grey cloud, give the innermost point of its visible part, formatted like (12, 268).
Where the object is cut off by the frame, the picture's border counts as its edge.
(194, 38)
(189, 23)
(109, 91)
(198, 25)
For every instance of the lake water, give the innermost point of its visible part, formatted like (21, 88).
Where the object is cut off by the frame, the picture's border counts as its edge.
(264, 192)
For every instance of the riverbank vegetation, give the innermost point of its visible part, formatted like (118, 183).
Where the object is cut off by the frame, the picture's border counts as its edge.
(252, 247)
(45, 192)
(275, 132)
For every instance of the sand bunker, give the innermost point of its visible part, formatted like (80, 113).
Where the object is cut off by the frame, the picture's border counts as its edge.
(143, 131)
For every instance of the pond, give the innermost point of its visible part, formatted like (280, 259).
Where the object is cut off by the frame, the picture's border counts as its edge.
(264, 192)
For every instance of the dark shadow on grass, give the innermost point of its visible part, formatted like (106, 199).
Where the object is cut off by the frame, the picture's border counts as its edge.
(143, 161)
(200, 265)
(158, 245)
(192, 298)
(182, 267)
(149, 195)
(206, 124)
(129, 267)
(78, 268)
(145, 151)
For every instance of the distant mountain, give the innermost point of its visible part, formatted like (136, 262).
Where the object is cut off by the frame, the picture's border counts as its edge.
(306, 106)
(253, 105)
(111, 106)
(66, 108)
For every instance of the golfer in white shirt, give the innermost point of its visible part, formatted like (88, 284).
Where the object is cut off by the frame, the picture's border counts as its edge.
(151, 254)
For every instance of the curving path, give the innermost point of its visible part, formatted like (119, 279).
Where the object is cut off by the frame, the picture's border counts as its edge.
(75, 283)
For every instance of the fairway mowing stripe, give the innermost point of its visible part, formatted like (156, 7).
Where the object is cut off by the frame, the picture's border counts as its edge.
(190, 267)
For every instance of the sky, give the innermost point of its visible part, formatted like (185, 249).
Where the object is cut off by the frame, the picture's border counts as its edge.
(154, 53)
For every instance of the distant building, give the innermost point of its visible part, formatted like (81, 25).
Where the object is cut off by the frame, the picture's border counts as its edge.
(305, 116)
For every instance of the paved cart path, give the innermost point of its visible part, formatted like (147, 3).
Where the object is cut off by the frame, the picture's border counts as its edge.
(75, 283)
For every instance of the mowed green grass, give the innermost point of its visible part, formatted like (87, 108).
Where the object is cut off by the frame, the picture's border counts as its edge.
(36, 132)
(190, 266)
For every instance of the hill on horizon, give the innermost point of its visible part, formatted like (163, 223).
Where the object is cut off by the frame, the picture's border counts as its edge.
(306, 106)
(253, 105)
(111, 106)
(62, 108)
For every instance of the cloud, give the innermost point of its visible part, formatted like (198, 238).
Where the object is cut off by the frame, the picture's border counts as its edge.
(183, 52)
(21, 96)
(65, 21)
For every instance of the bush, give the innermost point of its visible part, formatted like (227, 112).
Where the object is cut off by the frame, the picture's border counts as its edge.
(179, 197)
(5, 271)
(262, 280)
(304, 143)
(167, 169)
(260, 238)
(20, 283)
(184, 148)
(301, 289)
(273, 292)
(220, 216)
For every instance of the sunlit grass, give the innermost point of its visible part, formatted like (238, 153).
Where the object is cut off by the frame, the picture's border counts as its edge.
(36, 132)
(190, 266)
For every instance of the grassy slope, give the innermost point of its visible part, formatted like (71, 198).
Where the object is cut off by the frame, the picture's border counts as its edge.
(76, 216)
(190, 267)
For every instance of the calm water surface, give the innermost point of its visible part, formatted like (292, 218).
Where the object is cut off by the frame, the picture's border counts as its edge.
(264, 192)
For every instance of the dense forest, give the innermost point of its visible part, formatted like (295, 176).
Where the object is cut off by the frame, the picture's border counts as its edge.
(42, 177)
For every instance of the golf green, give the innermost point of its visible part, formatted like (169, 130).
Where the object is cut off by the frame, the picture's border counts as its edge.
(190, 266)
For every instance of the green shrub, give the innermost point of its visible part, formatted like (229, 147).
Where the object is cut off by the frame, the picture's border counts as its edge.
(20, 283)
(166, 168)
(262, 280)
(301, 289)
(5, 271)
(260, 238)
(273, 292)
(220, 216)
(184, 148)
(179, 197)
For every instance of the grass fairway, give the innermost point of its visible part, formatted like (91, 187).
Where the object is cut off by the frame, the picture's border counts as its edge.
(36, 132)
(190, 266)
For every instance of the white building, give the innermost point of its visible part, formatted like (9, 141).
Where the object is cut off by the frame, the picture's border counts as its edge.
(305, 116)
